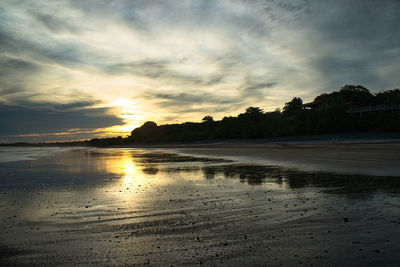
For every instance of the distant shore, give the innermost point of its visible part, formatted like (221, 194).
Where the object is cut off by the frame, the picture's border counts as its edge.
(359, 137)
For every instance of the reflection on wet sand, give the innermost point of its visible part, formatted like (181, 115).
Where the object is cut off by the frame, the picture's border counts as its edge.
(131, 206)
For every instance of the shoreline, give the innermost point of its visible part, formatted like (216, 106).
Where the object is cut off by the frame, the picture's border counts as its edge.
(357, 153)
(358, 137)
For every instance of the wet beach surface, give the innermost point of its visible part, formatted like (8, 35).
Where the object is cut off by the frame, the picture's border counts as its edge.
(154, 207)
(347, 157)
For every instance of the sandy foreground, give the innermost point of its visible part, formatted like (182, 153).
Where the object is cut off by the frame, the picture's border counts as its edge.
(222, 205)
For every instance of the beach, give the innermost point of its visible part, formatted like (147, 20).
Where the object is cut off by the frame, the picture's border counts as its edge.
(380, 159)
(220, 204)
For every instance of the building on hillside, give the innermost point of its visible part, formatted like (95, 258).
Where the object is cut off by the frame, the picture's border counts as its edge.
(375, 108)
(316, 104)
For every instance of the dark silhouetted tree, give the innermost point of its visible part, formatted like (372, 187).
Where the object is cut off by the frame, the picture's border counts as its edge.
(149, 125)
(293, 107)
(356, 93)
(254, 111)
(146, 132)
(388, 97)
(208, 119)
(252, 114)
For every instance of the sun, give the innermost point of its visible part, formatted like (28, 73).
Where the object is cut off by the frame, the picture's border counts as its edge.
(129, 111)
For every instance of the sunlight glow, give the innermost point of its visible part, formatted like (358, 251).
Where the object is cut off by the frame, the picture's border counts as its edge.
(129, 173)
(124, 166)
(130, 113)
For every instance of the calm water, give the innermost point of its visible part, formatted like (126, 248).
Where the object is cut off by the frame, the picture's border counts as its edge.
(146, 206)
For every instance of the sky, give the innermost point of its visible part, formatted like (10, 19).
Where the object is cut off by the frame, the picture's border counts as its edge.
(74, 70)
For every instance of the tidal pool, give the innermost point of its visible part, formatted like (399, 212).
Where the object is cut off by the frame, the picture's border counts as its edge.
(121, 206)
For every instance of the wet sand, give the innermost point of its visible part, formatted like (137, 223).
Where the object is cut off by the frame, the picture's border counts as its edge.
(377, 158)
(154, 207)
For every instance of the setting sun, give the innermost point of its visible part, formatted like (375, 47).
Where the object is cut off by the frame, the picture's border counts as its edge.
(129, 112)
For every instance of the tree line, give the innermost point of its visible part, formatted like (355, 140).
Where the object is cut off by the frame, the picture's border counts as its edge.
(328, 113)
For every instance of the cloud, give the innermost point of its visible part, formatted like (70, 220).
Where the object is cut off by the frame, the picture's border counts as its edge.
(55, 24)
(192, 103)
(43, 118)
(177, 60)
(160, 70)
(10, 65)
(352, 42)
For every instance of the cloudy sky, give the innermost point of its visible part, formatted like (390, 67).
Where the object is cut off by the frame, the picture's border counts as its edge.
(72, 69)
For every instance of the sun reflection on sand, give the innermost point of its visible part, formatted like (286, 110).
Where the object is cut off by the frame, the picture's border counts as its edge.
(130, 173)
(123, 165)
(125, 187)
